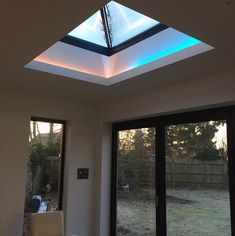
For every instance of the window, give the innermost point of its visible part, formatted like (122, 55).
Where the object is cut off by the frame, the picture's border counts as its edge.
(44, 185)
(197, 186)
(112, 25)
(114, 44)
(136, 208)
(174, 175)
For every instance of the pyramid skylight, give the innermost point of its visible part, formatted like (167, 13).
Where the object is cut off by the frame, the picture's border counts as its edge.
(112, 25)
(114, 44)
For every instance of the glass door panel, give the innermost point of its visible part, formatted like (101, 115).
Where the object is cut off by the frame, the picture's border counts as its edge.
(136, 209)
(197, 193)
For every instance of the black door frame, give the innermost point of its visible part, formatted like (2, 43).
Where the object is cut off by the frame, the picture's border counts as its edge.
(63, 144)
(160, 122)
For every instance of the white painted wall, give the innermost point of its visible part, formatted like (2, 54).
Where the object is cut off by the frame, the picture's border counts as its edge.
(216, 89)
(179, 95)
(87, 202)
(80, 196)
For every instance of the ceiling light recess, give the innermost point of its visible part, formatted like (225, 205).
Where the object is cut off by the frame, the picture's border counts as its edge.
(114, 44)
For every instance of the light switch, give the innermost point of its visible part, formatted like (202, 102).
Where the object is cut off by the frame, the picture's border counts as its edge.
(82, 173)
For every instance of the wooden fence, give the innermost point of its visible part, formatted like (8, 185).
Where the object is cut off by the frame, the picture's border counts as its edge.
(196, 173)
(179, 173)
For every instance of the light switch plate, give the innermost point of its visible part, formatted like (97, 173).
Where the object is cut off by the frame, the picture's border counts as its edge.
(82, 173)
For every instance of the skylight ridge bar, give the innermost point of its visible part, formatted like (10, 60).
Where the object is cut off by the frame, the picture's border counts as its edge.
(111, 51)
(106, 26)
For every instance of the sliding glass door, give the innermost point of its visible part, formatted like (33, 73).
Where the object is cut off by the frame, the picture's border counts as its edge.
(175, 177)
(136, 210)
(197, 191)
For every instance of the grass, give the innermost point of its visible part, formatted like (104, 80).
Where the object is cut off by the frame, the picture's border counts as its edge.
(189, 213)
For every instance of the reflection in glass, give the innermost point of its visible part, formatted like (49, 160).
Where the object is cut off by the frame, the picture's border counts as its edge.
(136, 182)
(91, 30)
(197, 179)
(127, 23)
(123, 23)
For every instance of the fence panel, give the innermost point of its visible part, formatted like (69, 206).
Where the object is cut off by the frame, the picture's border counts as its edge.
(179, 173)
(196, 173)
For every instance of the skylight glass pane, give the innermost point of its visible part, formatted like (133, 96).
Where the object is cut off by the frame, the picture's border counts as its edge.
(91, 30)
(126, 23)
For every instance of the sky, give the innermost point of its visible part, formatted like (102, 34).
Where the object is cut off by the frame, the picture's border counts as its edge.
(44, 127)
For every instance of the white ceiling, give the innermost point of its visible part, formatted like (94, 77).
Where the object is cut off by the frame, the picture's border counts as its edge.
(30, 27)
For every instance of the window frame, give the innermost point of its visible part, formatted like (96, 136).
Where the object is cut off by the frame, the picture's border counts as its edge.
(160, 122)
(63, 145)
(68, 39)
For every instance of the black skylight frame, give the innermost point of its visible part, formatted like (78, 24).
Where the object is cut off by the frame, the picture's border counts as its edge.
(109, 50)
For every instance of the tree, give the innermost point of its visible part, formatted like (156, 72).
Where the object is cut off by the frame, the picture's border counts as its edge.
(136, 153)
(37, 154)
(42, 150)
(193, 141)
(135, 156)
